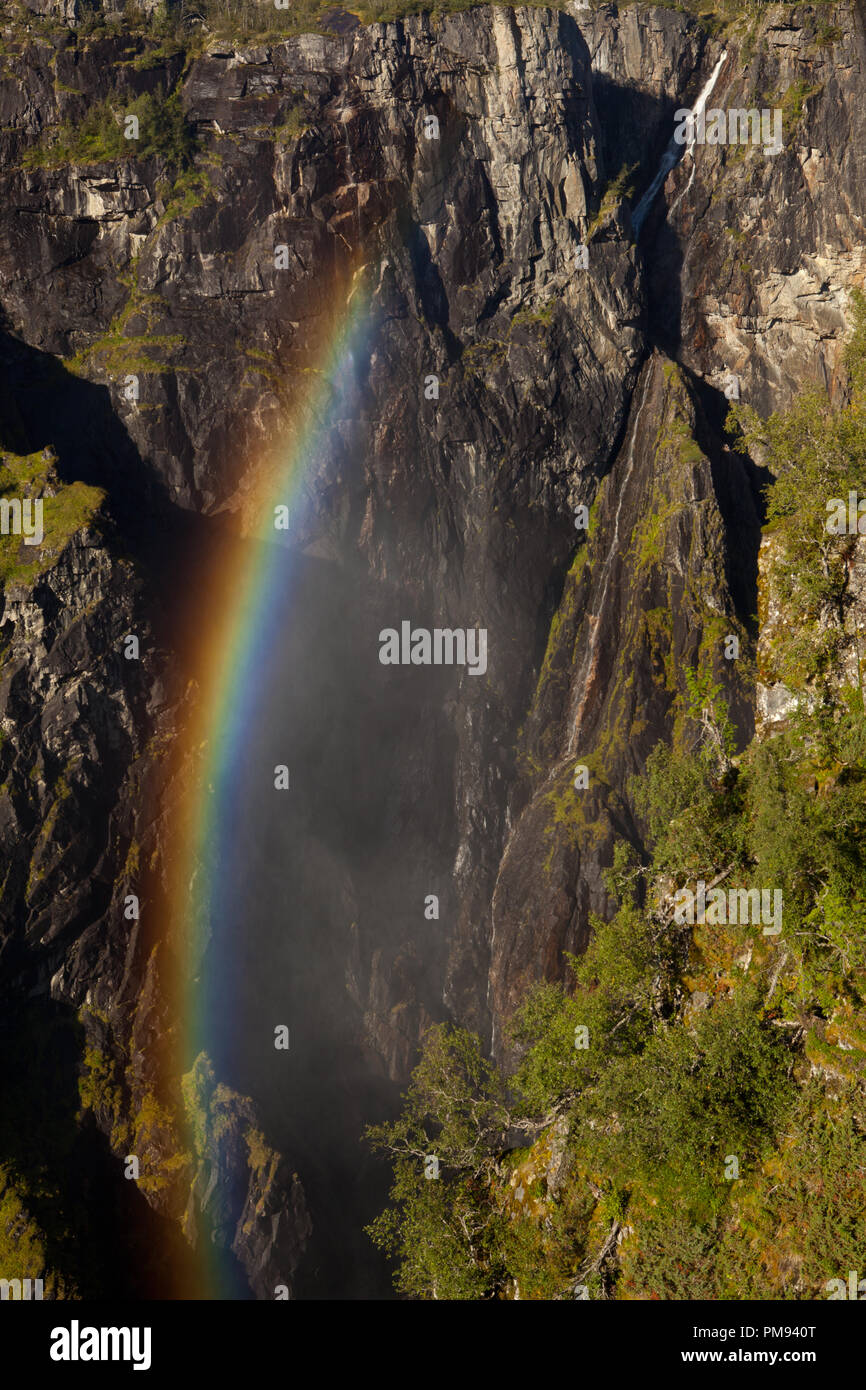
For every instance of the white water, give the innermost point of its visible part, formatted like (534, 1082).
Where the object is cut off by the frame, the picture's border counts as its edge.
(675, 151)
(345, 118)
(594, 619)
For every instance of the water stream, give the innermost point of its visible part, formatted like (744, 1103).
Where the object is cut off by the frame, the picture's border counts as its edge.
(675, 151)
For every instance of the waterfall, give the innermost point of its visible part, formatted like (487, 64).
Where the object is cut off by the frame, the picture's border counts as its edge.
(675, 151)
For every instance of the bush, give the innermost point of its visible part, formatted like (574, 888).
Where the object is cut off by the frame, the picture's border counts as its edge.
(98, 137)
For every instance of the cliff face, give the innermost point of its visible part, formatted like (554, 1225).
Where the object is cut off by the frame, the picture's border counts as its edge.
(564, 381)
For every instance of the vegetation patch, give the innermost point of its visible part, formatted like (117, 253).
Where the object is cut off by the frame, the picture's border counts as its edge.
(65, 509)
(100, 136)
(686, 1116)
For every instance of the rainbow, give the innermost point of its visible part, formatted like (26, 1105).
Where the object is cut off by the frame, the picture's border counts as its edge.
(248, 599)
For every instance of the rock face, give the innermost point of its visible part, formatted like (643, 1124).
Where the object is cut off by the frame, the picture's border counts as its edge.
(775, 702)
(462, 176)
(765, 248)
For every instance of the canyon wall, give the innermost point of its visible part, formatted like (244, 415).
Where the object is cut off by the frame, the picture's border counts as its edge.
(565, 380)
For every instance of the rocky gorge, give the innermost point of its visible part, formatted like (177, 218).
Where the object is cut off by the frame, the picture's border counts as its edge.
(450, 167)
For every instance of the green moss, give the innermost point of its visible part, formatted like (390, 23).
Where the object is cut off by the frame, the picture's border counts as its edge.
(69, 510)
(154, 1131)
(828, 34)
(156, 56)
(533, 318)
(264, 365)
(22, 1241)
(132, 865)
(143, 355)
(261, 1155)
(100, 1089)
(651, 537)
(843, 1063)
(622, 185)
(93, 1012)
(293, 125)
(793, 101)
(484, 357)
(659, 636)
(191, 189)
(570, 821)
(117, 353)
(676, 454)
